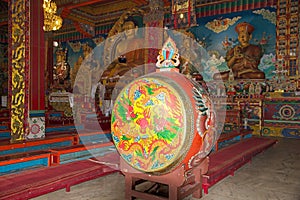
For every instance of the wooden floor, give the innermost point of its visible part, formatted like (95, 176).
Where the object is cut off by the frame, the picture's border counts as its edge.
(274, 174)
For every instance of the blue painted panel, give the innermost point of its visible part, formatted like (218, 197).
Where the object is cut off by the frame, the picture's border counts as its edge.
(37, 113)
(248, 136)
(55, 115)
(63, 128)
(229, 142)
(23, 165)
(291, 133)
(97, 138)
(3, 127)
(34, 148)
(86, 154)
(5, 135)
(60, 128)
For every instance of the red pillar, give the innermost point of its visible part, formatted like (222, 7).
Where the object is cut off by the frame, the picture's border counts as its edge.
(37, 58)
(36, 119)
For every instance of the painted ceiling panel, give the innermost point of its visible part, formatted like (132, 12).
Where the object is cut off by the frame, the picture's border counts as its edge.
(95, 10)
(99, 12)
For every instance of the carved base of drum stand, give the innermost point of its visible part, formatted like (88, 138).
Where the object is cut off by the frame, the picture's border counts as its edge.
(180, 183)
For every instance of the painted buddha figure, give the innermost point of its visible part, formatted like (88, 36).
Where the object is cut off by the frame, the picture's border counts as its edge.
(244, 58)
(127, 59)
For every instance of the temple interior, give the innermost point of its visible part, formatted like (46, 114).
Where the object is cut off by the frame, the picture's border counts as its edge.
(149, 99)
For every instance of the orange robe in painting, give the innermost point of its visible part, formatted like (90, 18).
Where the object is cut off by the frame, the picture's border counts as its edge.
(247, 63)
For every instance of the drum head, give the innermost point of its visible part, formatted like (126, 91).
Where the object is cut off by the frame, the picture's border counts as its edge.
(152, 124)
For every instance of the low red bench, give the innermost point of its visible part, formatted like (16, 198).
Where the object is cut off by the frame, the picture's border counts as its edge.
(36, 182)
(22, 157)
(228, 136)
(14, 162)
(6, 145)
(57, 152)
(227, 160)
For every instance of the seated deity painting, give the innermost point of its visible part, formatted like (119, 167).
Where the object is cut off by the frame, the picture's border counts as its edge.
(241, 45)
(126, 51)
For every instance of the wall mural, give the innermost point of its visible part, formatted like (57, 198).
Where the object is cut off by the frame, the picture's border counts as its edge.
(68, 59)
(221, 37)
(218, 34)
(76, 51)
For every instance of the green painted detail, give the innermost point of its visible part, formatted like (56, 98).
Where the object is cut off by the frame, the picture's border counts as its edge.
(37, 111)
(166, 135)
(295, 102)
(282, 121)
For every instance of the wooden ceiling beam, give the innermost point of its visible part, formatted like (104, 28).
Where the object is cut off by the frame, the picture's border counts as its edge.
(214, 2)
(67, 9)
(86, 3)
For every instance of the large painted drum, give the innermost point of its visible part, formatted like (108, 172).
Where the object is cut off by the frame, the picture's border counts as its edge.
(162, 121)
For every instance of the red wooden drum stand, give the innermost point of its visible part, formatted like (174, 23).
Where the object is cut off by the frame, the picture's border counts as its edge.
(181, 183)
(163, 126)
